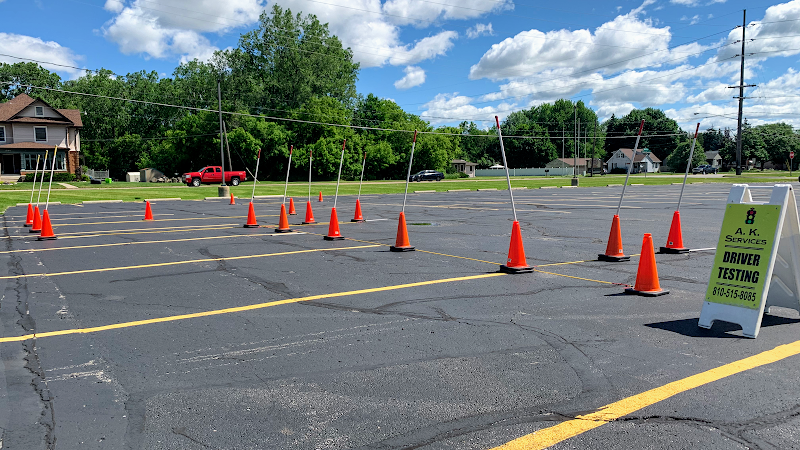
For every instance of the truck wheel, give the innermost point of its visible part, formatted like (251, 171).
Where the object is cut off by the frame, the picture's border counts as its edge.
(235, 181)
(195, 182)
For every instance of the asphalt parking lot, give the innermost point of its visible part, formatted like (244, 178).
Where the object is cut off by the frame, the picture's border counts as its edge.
(192, 332)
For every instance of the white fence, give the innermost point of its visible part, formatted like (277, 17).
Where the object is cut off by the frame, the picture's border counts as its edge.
(97, 174)
(529, 172)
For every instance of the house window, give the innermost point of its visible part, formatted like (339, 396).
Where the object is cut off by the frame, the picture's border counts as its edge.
(2, 134)
(39, 111)
(29, 161)
(40, 134)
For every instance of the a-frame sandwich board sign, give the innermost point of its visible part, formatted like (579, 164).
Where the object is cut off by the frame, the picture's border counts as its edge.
(757, 262)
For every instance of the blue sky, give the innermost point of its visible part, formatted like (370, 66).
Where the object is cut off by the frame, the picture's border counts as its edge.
(453, 60)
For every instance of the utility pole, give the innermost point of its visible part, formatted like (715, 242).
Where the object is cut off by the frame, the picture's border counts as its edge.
(221, 147)
(594, 145)
(741, 99)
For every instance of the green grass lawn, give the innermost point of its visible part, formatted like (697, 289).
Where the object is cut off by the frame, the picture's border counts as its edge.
(10, 195)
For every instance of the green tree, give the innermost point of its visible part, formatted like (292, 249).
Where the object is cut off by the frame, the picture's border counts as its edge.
(677, 159)
(662, 133)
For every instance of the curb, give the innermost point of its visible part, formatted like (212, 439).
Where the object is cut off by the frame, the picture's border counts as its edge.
(160, 199)
(25, 204)
(90, 202)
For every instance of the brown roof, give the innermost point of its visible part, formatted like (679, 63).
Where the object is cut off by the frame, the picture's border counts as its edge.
(13, 107)
(29, 146)
(40, 120)
(581, 161)
(639, 155)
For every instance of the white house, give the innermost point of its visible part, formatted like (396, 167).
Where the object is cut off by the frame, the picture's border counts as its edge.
(30, 127)
(644, 162)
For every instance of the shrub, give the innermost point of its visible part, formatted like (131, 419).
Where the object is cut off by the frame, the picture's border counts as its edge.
(58, 177)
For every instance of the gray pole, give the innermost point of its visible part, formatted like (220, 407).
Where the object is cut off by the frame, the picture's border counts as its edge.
(741, 101)
(50, 184)
(508, 178)
(228, 146)
(221, 149)
(575, 153)
(408, 175)
(361, 181)
(289, 166)
(594, 146)
(41, 183)
(255, 177)
(35, 171)
(688, 164)
(341, 160)
(310, 157)
(633, 158)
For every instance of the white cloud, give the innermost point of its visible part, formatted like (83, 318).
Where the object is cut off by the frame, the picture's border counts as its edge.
(425, 48)
(685, 2)
(37, 49)
(480, 29)
(415, 12)
(453, 107)
(414, 77)
(775, 35)
(693, 20)
(114, 6)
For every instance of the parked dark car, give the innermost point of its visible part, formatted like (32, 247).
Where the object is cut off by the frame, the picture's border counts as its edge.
(704, 168)
(430, 175)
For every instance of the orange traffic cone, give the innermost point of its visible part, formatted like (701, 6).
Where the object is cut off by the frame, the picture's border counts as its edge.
(333, 228)
(647, 275)
(233, 202)
(47, 229)
(309, 215)
(401, 243)
(516, 253)
(320, 195)
(251, 218)
(148, 213)
(358, 217)
(37, 221)
(614, 248)
(292, 212)
(283, 224)
(675, 238)
(29, 218)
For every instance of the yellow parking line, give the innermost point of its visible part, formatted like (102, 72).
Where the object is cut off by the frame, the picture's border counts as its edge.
(112, 232)
(177, 263)
(242, 308)
(151, 221)
(611, 412)
(580, 278)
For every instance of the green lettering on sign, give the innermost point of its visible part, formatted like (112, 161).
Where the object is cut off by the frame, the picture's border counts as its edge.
(739, 275)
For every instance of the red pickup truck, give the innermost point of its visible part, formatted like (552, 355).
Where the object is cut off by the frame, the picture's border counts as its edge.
(213, 175)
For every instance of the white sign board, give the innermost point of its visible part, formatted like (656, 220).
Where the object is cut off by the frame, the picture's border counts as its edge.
(757, 263)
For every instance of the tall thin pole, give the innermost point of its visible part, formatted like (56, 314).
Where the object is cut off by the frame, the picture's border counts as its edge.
(310, 157)
(408, 175)
(575, 127)
(221, 150)
(688, 164)
(50, 184)
(508, 178)
(288, 166)
(255, 177)
(339, 178)
(41, 183)
(35, 171)
(594, 146)
(361, 181)
(741, 101)
(633, 158)
(228, 145)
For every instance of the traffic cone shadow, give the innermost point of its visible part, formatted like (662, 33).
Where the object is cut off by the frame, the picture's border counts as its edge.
(402, 243)
(47, 229)
(251, 218)
(283, 224)
(37, 221)
(148, 212)
(309, 215)
(292, 212)
(29, 217)
(614, 248)
(516, 262)
(675, 238)
(647, 275)
(333, 228)
(357, 217)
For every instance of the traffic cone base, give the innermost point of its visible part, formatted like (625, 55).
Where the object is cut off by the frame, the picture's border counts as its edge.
(675, 238)
(251, 218)
(614, 248)
(647, 275)
(37, 221)
(401, 242)
(333, 228)
(47, 229)
(283, 224)
(357, 217)
(516, 262)
(148, 213)
(292, 212)
(309, 215)
(29, 217)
